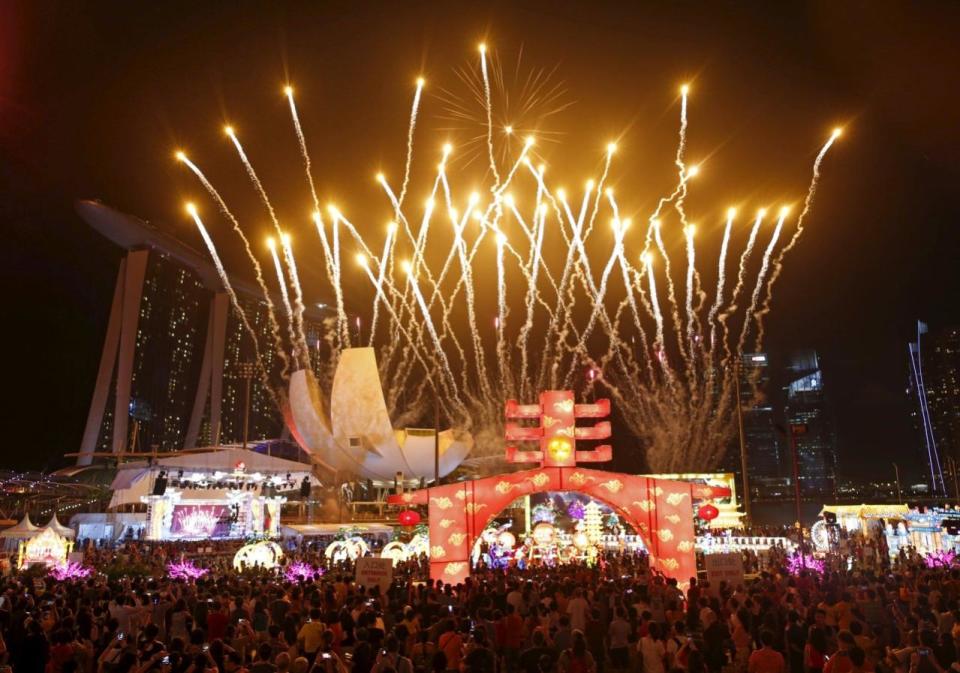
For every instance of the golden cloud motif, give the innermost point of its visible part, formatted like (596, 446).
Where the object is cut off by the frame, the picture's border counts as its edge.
(437, 551)
(676, 498)
(579, 479)
(669, 563)
(684, 545)
(407, 497)
(564, 406)
(446, 523)
(672, 518)
(645, 505)
(443, 503)
(504, 487)
(564, 432)
(665, 534)
(614, 485)
(550, 421)
(454, 568)
(461, 494)
(475, 507)
(539, 479)
(457, 538)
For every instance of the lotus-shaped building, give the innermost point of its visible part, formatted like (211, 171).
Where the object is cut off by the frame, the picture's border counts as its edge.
(355, 436)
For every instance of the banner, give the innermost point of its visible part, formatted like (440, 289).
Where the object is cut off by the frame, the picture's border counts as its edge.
(375, 572)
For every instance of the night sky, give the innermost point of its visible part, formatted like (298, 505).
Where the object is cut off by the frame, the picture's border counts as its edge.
(95, 97)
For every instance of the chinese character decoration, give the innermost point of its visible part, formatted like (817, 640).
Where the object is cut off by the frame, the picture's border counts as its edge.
(557, 432)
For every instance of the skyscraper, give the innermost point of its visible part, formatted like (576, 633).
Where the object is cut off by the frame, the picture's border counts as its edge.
(759, 430)
(811, 423)
(934, 377)
(170, 373)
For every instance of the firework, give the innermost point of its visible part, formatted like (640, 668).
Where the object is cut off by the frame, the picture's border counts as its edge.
(449, 322)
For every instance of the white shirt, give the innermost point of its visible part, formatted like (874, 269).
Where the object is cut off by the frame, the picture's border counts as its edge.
(652, 652)
(577, 608)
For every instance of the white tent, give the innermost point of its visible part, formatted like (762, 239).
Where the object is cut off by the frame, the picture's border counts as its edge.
(134, 480)
(58, 528)
(23, 530)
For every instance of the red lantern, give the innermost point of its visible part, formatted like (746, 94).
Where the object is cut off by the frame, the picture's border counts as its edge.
(409, 517)
(708, 512)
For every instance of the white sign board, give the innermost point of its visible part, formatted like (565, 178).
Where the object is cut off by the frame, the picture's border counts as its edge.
(375, 572)
(726, 567)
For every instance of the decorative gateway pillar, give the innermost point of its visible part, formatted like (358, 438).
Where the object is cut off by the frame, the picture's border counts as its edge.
(659, 510)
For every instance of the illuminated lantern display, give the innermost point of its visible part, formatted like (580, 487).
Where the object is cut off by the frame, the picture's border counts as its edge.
(544, 534)
(708, 512)
(264, 554)
(409, 517)
(47, 548)
(506, 539)
(395, 551)
(593, 523)
(559, 449)
(580, 540)
(344, 550)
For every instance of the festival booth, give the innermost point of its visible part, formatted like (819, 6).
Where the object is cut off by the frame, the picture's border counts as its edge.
(930, 530)
(219, 494)
(862, 518)
(58, 528)
(660, 510)
(46, 547)
(15, 534)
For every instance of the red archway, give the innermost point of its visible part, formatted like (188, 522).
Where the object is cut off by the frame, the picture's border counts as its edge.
(660, 510)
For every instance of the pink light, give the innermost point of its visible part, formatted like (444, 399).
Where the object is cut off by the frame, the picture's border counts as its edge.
(185, 570)
(70, 571)
(940, 559)
(299, 571)
(799, 562)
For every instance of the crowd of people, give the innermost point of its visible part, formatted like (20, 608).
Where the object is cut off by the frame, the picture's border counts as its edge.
(615, 617)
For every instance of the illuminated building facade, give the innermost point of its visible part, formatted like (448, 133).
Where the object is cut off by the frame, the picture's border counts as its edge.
(170, 372)
(808, 413)
(934, 386)
(759, 429)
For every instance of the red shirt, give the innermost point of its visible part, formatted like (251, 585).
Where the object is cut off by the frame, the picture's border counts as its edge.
(216, 625)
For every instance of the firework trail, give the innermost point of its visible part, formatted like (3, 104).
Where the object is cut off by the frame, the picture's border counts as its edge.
(741, 281)
(286, 298)
(721, 277)
(691, 265)
(410, 131)
(308, 170)
(299, 338)
(488, 103)
(257, 269)
(264, 374)
(298, 306)
(764, 267)
(677, 398)
(807, 205)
